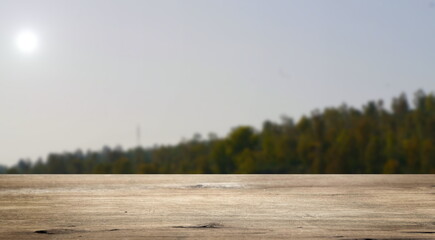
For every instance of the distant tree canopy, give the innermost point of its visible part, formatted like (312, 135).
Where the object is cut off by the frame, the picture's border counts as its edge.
(337, 140)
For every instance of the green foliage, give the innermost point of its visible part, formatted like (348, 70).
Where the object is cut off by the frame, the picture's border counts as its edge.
(3, 169)
(335, 140)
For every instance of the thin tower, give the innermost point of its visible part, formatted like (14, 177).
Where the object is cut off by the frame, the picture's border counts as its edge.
(138, 135)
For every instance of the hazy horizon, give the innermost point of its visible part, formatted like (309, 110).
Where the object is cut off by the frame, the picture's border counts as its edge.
(101, 68)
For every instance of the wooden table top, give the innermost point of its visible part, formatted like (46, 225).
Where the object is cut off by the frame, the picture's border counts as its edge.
(217, 207)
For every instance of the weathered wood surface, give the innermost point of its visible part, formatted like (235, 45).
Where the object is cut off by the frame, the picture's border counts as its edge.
(217, 207)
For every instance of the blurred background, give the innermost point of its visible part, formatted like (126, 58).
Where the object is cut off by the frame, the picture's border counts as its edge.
(216, 86)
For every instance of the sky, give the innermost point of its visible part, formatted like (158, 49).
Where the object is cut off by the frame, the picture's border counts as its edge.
(101, 68)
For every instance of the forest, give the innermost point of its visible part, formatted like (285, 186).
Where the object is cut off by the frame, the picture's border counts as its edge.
(372, 139)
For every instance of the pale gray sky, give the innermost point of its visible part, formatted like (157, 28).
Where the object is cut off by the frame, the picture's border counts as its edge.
(181, 67)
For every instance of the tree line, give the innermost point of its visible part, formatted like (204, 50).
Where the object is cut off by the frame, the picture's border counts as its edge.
(341, 139)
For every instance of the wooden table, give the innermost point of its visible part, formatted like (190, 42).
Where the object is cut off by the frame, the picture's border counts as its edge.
(217, 207)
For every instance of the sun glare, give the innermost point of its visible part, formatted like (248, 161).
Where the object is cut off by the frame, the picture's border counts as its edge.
(27, 41)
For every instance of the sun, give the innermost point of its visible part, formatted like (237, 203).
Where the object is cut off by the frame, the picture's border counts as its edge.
(27, 41)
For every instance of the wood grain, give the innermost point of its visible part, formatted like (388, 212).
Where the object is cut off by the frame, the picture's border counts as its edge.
(217, 207)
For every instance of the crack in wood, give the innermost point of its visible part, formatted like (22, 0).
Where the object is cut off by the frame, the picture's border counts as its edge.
(57, 231)
(42, 232)
(209, 225)
(69, 231)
